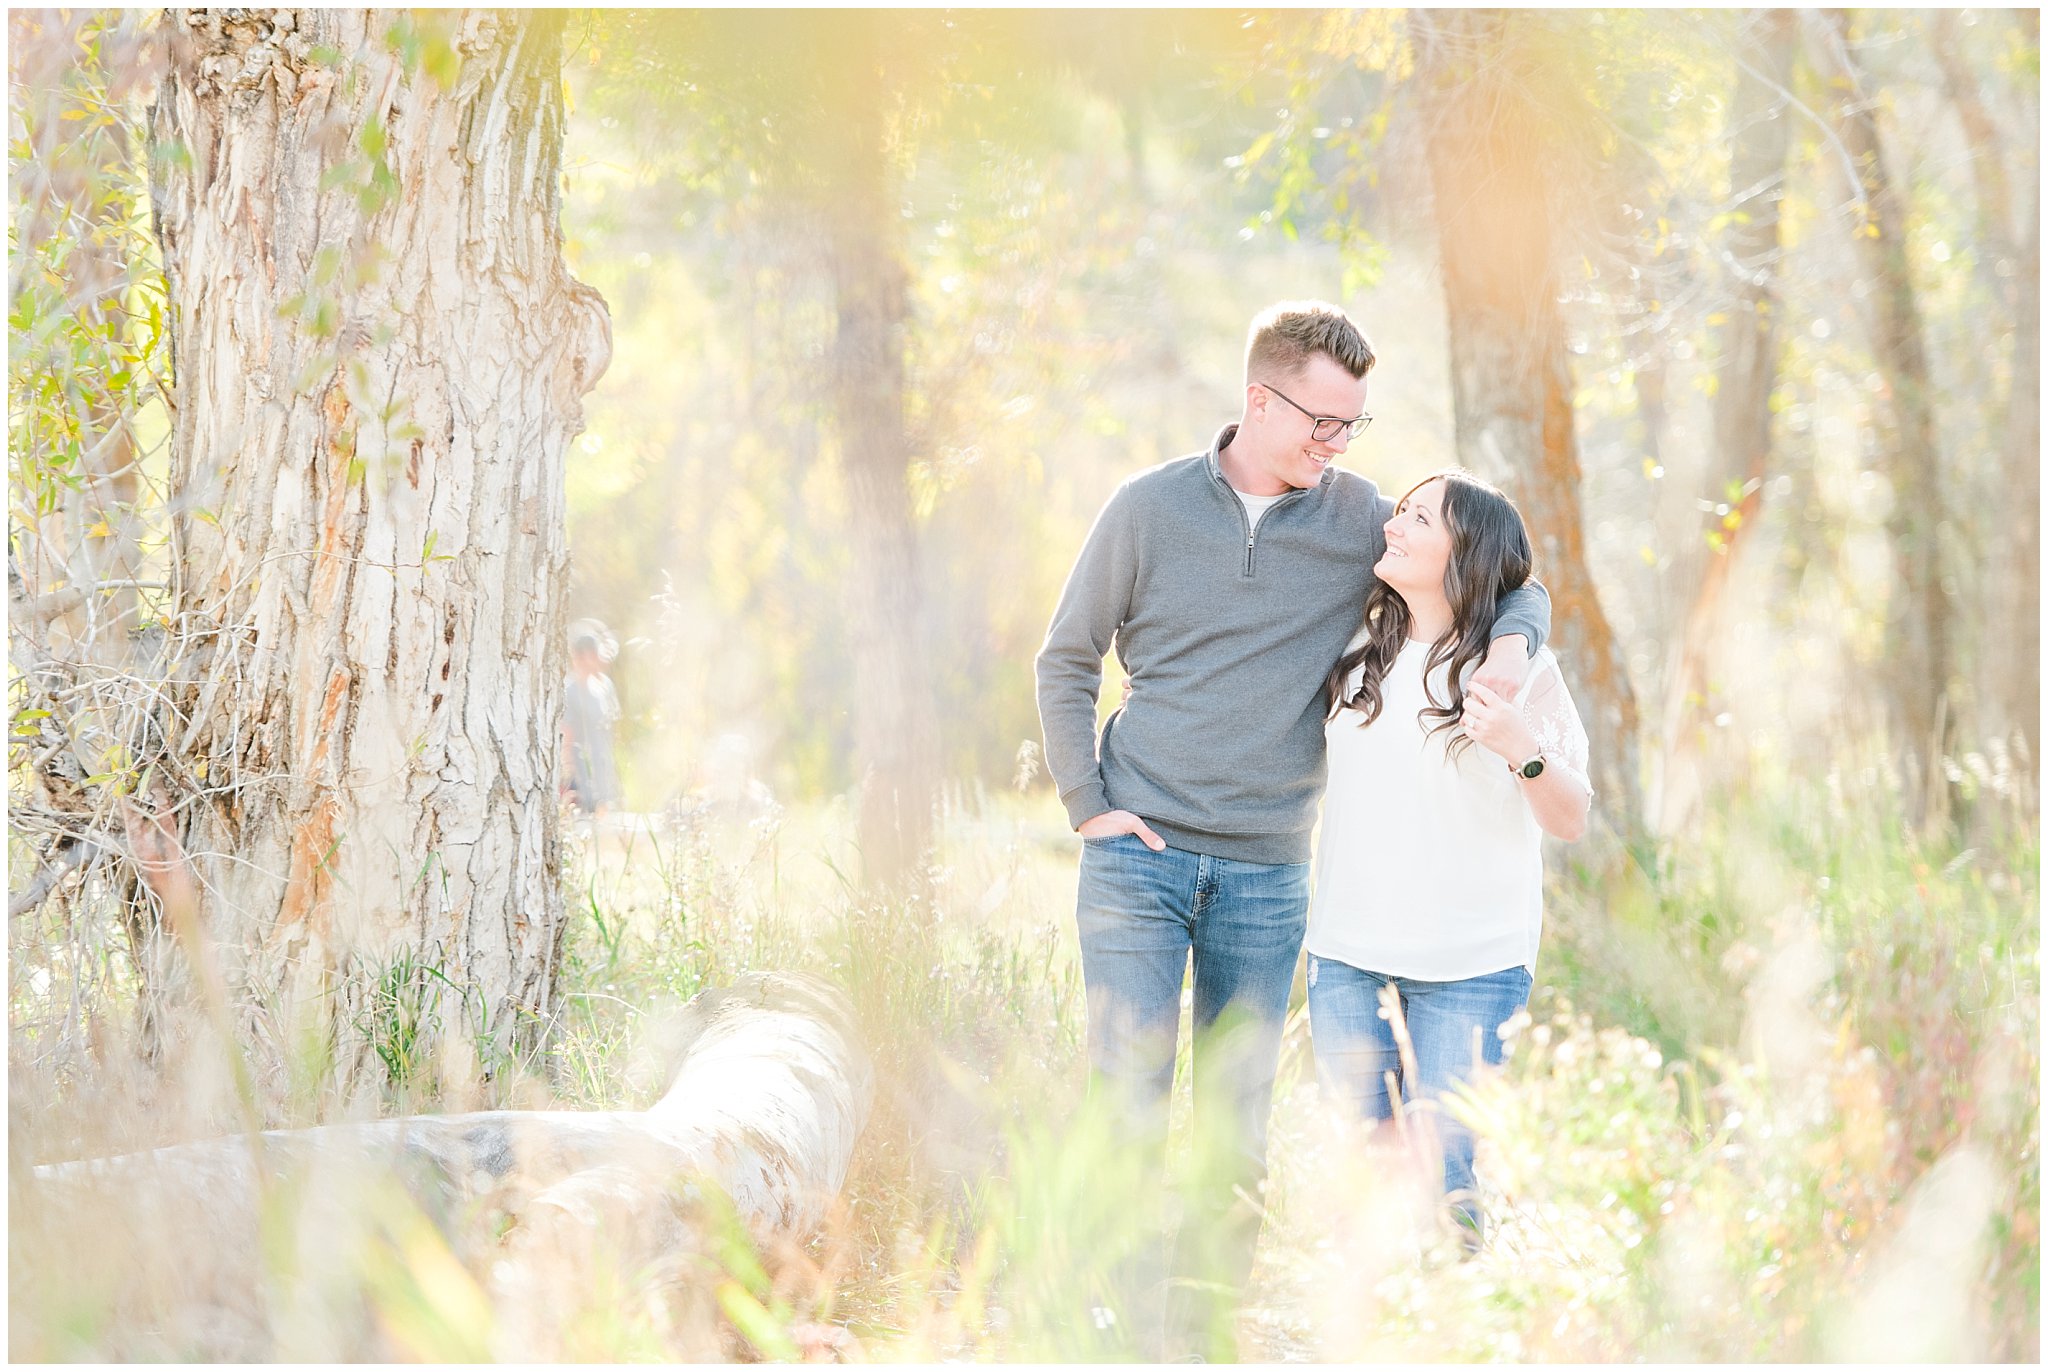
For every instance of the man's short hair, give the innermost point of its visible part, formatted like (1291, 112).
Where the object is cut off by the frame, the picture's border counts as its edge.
(591, 635)
(1285, 336)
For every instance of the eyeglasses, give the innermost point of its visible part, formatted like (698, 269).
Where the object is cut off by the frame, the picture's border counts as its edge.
(1328, 427)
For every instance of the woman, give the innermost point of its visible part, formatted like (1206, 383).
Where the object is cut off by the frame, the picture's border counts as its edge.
(1429, 877)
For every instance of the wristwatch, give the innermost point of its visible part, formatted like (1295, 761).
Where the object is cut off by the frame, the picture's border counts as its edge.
(1529, 770)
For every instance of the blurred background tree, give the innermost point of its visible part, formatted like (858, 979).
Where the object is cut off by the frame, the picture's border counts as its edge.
(1086, 208)
(1508, 134)
(886, 174)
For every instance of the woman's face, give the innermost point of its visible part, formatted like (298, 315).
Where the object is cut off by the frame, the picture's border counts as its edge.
(1418, 542)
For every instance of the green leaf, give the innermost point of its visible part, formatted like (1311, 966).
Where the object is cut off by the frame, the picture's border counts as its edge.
(443, 64)
(327, 264)
(381, 190)
(341, 174)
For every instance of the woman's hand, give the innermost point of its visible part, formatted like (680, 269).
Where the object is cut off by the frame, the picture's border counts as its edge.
(1497, 726)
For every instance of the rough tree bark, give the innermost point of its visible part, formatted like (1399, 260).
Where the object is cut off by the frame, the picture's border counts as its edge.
(1918, 648)
(1731, 489)
(1495, 167)
(379, 361)
(769, 1093)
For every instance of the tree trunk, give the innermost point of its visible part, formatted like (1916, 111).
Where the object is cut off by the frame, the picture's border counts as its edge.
(380, 358)
(1732, 487)
(1917, 632)
(1493, 170)
(769, 1094)
(2013, 678)
(894, 709)
(1980, 134)
(2009, 684)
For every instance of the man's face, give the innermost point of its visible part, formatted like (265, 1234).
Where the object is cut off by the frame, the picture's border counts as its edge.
(1285, 445)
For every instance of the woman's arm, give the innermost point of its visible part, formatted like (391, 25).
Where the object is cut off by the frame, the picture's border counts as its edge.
(1560, 802)
(1560, 799)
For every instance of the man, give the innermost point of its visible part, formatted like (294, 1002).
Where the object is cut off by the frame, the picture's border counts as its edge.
(1229, 583)
(590, 707)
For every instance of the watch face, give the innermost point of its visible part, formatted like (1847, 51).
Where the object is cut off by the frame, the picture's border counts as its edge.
(1532, 769)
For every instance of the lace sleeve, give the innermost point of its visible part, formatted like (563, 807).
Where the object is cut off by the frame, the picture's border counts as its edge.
(1548, 710)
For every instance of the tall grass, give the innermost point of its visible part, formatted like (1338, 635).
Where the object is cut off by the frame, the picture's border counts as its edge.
(1777, 1099)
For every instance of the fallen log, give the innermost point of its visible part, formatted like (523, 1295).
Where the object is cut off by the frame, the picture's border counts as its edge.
(763, 1107)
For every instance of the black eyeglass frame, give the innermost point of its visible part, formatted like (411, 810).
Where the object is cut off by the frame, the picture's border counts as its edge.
(1316, 434)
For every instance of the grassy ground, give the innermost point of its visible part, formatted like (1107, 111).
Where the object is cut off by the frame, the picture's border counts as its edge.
(1777, 1099)
(1773, 1077)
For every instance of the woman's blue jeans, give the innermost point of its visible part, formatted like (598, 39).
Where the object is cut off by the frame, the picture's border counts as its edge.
(1454, 1027)
(1142, 914)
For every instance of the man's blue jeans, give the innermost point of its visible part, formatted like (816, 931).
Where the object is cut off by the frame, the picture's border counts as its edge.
(1454, 1027)
(1141, 914)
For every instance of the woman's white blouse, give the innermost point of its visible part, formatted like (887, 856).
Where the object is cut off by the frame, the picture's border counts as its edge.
(1432, 867)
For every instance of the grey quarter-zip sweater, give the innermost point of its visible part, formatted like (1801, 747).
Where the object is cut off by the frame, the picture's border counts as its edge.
(1228, 631)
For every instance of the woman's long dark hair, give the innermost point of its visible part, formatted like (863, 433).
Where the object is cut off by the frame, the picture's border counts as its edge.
(1490, 556)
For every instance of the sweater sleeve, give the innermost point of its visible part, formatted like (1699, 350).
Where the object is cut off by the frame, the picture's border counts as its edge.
(1524, 610)
(1092, 607)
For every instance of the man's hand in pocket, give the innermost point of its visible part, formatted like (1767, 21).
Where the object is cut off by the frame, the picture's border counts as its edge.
(1113, 822)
